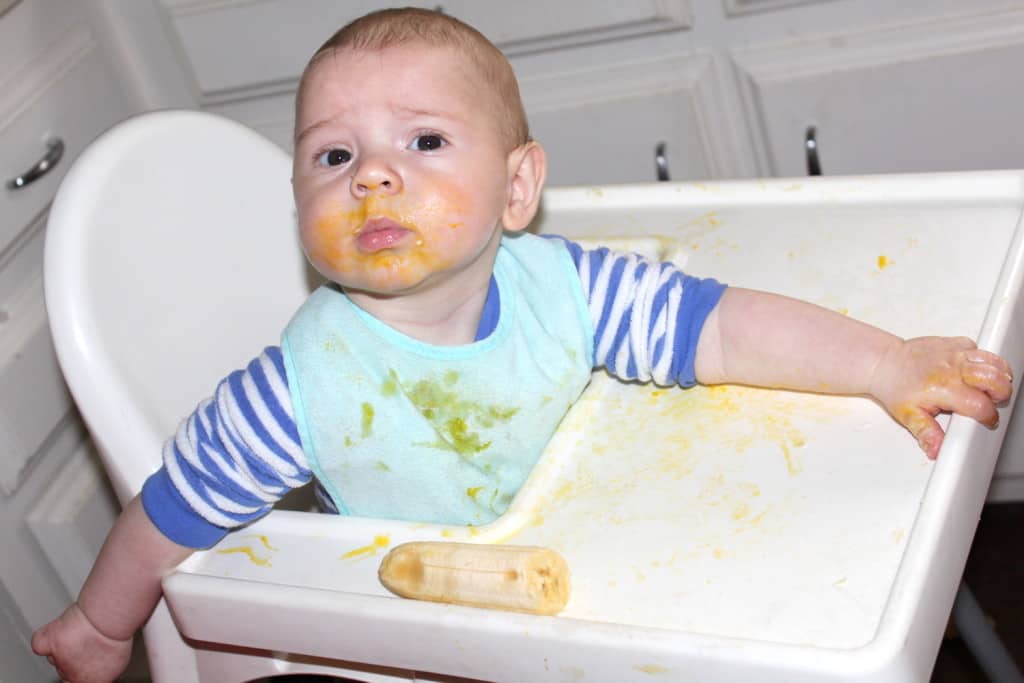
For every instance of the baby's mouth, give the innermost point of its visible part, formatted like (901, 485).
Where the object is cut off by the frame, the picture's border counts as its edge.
(378, 234)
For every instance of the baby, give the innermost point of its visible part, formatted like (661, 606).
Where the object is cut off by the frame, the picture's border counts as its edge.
(425, 379)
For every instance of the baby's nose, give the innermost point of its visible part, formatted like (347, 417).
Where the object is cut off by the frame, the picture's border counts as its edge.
(375, 175)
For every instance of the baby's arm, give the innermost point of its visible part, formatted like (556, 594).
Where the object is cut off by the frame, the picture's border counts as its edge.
(231, 460)
(767, 340)
(91, 641)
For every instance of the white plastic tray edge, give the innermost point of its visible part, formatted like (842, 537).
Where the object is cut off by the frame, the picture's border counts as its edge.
(958, 483)
(981, 185)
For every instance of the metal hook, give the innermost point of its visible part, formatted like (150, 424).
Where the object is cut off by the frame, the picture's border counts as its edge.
(661, 161)
(811, 147)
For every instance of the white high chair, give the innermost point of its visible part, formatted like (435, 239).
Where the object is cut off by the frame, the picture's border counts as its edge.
(171, 258)
(747, 536)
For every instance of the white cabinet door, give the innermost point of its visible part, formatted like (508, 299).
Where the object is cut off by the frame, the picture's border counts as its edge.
(930, 96)
(603, 124)
(56, 81)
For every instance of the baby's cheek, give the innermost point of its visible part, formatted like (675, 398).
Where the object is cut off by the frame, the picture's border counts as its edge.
(447, 207)
(324, 237)
(319, 247)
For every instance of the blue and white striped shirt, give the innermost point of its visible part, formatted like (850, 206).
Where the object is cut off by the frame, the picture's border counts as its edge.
(239, 452)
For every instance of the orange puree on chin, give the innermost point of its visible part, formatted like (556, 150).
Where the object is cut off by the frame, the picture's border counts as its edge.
(333, 243)
(433, 220)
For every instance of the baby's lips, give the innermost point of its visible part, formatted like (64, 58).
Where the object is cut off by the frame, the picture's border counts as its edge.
(380, 233)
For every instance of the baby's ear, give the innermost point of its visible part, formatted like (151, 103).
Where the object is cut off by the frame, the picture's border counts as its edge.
(527, 168)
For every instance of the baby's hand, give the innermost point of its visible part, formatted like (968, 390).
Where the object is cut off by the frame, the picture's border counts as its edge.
(919, 378)
(79, 652)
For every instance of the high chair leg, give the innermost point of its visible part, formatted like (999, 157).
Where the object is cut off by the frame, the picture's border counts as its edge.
(982, 640)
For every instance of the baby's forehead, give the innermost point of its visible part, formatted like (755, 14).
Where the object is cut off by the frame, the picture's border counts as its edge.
(454, 56)
(482, 76)
(442, 67)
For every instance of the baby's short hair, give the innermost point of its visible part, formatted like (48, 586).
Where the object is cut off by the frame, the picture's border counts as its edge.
(400, 26)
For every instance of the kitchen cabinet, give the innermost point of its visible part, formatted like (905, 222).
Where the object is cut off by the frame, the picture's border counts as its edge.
(56, 82)
(931, 96)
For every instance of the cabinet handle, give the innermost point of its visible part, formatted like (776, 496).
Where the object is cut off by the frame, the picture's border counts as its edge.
(661, 161)
(811, 146)
(54, 151)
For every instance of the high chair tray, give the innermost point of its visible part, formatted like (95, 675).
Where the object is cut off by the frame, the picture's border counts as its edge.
(722, 533)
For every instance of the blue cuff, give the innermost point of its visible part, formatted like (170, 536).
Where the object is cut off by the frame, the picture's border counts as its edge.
(173, 516)
(699, 299)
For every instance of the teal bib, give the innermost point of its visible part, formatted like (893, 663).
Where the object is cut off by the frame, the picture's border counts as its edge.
(395, 428)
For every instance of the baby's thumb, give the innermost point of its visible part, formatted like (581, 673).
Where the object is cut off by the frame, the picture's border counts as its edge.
(924, 428)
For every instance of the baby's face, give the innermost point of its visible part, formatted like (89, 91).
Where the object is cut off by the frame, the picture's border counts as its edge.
(400, 175)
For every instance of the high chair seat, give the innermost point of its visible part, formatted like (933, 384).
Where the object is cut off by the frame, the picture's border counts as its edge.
(172, 257)
(173, 231)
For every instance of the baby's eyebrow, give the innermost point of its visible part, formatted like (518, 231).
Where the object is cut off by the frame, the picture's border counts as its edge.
(309, 129)
(411, 112)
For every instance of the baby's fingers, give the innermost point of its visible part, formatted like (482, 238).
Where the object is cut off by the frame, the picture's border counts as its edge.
(974, 404)
(989, 373)
(923, 426)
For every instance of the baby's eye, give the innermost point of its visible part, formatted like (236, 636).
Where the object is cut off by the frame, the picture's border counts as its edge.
(428, 142)
(334, 157)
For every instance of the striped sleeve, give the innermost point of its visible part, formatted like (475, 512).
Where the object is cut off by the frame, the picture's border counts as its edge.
(235, 456)
(647, 316)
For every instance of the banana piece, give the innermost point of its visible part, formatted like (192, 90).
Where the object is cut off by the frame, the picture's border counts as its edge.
(508, 577)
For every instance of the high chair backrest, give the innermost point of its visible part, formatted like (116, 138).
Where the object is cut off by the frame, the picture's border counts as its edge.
(172, 257)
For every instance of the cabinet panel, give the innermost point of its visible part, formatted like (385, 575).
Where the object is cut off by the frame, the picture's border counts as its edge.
(47, 98)
(35, 585)
(18, 667)
(40, 95)
(58, 84)
(28, 28)
(239, 49)
(931, 97)
(71, 519)
(602, 125)
(55, 80)
(735, 7)
(272, 116)
(536, 25)
(33, 397)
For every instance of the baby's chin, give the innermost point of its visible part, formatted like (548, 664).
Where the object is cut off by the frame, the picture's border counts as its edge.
(386, 285)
